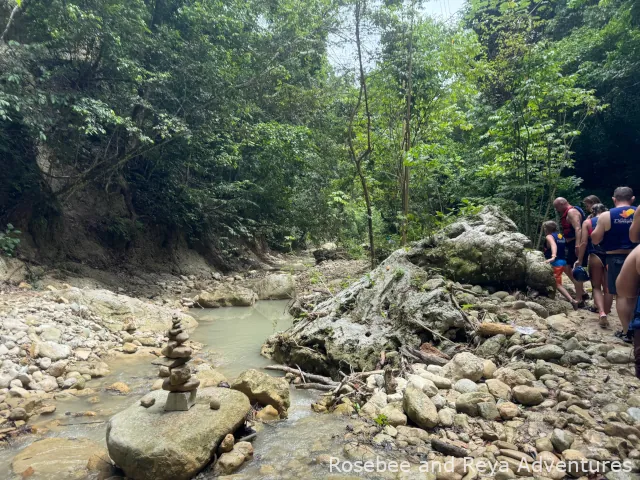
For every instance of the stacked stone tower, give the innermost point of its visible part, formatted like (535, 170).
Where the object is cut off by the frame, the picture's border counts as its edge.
(179, 383)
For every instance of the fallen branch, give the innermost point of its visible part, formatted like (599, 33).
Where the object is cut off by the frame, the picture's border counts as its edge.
(448, 449)
(427, 358)
(315, 386)
(303, 375)
(460, 289)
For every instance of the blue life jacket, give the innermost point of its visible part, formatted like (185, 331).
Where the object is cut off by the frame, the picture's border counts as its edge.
(561, 244)
(617, 237)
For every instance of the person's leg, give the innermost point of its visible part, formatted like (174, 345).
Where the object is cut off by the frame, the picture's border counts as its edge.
(557, 273)
(624, 306)
(596, 271)
(572, 258)
(566, 294)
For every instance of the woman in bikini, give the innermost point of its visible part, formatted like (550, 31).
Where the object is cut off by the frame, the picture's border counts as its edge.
(597, 265)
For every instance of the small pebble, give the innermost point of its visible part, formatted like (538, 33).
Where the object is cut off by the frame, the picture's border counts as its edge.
(214, 404)
(146, 402)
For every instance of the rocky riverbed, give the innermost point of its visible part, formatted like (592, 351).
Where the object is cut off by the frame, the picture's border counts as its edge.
(442, 366)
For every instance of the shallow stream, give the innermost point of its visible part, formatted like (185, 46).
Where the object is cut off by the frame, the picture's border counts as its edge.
(232, 339)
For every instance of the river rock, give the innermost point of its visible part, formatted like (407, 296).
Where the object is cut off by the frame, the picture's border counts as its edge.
(468, 402)
(151, 444)
(545, 352)
(620, 355)
(527, 395)
(268, 414)
(419, 408)
(561, 440)
(274, 287)
(54, 351)
(464, 385)
(498, 389)
(227, 444)
(227, 295)
(209, 377)
(94, 368)
(263, 388)
(231, 461)
(58, 458)
(464, 365)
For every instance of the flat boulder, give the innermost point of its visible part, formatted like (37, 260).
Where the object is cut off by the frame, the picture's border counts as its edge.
(60, 458)
(151, 444)
(120, 311)
(227, 295)
(263, 388)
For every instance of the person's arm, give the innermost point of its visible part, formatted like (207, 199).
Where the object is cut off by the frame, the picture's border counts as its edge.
(582, 247)
(575, 219)
(604, 223)
(554, 248)
(634, 233)
(629, 279)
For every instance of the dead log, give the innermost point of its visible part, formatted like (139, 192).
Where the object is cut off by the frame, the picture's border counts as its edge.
(427, 358)
(486, 329)
(315, 386)
(305, 376)
(448, 449)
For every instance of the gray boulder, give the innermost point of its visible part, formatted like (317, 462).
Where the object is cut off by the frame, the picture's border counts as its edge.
(151, 444)
(396, 304)
(274, 287)
(263, 388)
(419, 408)
(485, 249)
(227, 295)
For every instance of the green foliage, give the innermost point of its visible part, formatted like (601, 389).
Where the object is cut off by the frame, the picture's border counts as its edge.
(381, 420)
(227, 121)
(9, 240)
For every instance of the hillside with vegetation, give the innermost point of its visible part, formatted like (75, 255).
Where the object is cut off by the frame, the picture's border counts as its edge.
(130, 129)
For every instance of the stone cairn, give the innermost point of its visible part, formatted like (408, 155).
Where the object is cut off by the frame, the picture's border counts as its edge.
(179, 383)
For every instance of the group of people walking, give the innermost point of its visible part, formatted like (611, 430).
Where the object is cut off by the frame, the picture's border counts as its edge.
(604, 242)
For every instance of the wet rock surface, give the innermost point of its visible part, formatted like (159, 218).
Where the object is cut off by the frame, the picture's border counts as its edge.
(149, 443)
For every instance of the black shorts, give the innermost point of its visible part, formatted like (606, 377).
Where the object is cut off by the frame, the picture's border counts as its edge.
(615, 262)
(572, 258)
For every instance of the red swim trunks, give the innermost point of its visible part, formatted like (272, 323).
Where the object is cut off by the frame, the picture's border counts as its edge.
(557, 273)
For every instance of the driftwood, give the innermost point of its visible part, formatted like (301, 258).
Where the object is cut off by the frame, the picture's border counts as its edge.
(449, 449)
(490, 329)
(305, 376)
(422, 357)
(315, 386)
